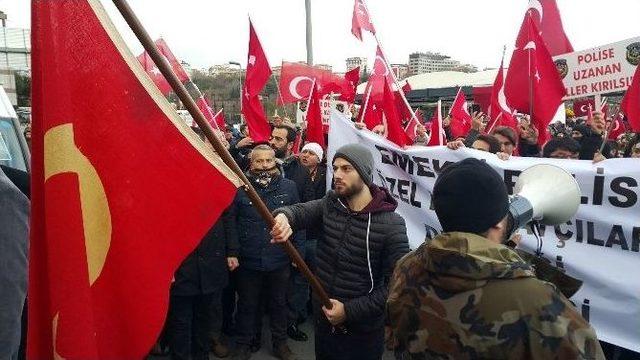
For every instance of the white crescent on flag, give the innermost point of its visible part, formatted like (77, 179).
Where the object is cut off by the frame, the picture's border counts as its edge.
(537, 6)
(252, 60)
(530, 46)
(293, 86)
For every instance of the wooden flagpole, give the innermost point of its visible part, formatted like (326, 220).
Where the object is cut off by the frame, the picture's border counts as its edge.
(182, 93)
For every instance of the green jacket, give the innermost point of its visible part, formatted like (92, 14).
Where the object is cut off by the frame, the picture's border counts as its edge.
(461, 296)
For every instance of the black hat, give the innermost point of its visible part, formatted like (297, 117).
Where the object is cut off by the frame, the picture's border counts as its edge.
(469, 196)
(361, 159)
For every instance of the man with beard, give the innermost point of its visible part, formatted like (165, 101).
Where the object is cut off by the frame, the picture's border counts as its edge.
(465, 295)
(282, 139)
(363, 239)
(264, 267)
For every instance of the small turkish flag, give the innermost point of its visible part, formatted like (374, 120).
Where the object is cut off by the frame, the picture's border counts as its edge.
(351, 80)
(361, 20)
(379, 76)
(395, 132)
(500, 114)
(153, 71)
(460, 117)
(258, 73)
(533, 83)
(581, 107)
(617, 128)
(437, 137)
(412, 126)
(370, 113)
(296, 81)
(315, 131)
(630, 104)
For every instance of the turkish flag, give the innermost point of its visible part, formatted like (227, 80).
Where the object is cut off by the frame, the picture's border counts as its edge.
(500, 114)
(296, 81)
(258, 69)
(370, 113)
(412, 126)
(220, 120)
(395, 132)
(547, 18)
(361, 20)
(122, 191)
(437, 137)
(532, 70)
(258, 73)
(460, 117)
(315, 131)
(350, 85)
(617, 128)
(581, 107)
(151, 68)
(630, 104)
(379, 76)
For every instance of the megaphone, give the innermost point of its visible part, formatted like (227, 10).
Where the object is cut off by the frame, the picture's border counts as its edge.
(546, 194)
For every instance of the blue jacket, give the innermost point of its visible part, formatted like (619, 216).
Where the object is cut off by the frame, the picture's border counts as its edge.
(256, 250)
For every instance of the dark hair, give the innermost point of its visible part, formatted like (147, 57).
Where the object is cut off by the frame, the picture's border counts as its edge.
(565, 143)
(243, 127)
(507, 132)
(291, 132)
(494, 144)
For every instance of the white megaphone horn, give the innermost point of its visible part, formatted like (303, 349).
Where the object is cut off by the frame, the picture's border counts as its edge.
(545, 194)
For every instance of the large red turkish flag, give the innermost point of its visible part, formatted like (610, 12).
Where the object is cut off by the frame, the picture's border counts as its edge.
(361, 20)
(297, 79)
(630, 104)
(532, 83)
(547, 18)
(122, 191)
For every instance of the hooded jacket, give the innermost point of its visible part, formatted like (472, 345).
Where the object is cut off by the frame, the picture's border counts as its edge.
(356, 256)
(461, 296)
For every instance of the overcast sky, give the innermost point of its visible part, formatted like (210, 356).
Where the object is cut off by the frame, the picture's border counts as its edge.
(208, 32)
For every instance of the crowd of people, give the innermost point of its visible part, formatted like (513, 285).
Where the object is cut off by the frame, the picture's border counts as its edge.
(351, 238)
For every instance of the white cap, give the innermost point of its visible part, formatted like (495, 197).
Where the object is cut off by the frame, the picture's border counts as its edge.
(314, 148)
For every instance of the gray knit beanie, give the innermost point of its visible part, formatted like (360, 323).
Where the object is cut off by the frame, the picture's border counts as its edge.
(361, 159)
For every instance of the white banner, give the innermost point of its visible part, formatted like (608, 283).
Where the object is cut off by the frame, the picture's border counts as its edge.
(600, 245)
(326, 106)
(601, 70)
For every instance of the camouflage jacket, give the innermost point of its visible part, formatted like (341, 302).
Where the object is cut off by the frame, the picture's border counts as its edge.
(460, 296)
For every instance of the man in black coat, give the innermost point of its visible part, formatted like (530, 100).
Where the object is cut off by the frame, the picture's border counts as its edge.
(363, 239)
(282, 139)
(195, 312)
(264, 273)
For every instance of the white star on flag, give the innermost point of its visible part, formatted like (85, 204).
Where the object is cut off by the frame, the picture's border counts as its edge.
(252, 60)
(538, 77)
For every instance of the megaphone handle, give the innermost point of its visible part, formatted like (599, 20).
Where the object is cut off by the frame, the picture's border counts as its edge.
(535, 230)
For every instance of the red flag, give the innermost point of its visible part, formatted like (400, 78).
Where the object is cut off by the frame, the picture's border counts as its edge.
(500, 114)
(151, 68)
(258, 73)
(547, 18)
(256, 119)
(361, 20)
(296, 81)
(395, 131)
(315, 132)
(437, 137)
(617, 128)
(412, 126)
(630, 104)
(460, 117)
(581, 107)
(379, 76)
(532, 70)
(258, 69)
(370, 113)
(163, 84)
(219, 119)
(108, 226)
(351, 80)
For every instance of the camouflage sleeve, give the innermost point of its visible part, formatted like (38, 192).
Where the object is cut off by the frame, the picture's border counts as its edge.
(559, 330)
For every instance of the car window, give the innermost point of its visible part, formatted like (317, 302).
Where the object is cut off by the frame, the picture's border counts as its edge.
(10, 151)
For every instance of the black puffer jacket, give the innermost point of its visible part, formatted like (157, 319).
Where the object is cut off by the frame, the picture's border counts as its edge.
(342, 262)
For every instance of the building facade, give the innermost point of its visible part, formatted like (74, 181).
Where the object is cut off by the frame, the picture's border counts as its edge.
(15, 56)
(354, 62)
(401, 71)
(427, 62)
